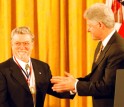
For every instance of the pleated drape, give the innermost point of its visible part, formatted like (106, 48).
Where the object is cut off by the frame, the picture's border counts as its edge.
(61, 38)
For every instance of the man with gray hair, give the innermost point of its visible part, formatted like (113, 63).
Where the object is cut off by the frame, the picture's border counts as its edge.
(25, 81)
(109, 56)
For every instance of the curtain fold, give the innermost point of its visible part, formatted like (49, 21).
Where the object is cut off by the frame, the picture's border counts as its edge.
(61, 38)
(5, 28)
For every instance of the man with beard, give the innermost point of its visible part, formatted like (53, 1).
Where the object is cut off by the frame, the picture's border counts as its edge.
(24, 81)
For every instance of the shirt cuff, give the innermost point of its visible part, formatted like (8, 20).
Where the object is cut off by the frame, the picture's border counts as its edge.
(75, 90)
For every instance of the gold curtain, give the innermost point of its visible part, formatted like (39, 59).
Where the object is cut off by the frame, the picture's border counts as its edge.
(61, 38)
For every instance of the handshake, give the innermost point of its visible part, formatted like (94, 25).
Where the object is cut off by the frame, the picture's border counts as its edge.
(65, 83)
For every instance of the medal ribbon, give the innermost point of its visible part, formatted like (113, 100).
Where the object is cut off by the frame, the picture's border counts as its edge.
(27, 75)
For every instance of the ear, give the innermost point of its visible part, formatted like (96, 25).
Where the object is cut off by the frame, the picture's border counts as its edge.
(32, 44)
(11, 42)
(101, 25)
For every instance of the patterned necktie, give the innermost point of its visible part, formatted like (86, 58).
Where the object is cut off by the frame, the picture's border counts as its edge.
(99, 52)
(26, 68)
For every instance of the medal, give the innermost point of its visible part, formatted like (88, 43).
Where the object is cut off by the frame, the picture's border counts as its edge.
(32, 89)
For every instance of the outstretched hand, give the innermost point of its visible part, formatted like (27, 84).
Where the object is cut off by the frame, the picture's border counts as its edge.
(62, 84)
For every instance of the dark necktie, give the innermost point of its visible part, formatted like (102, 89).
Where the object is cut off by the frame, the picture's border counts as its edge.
(99, 52)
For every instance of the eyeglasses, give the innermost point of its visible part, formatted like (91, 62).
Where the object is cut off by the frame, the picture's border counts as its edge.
(18, 44)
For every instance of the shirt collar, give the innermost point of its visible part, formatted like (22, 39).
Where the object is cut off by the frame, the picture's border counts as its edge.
(22, 63)
(106, 40)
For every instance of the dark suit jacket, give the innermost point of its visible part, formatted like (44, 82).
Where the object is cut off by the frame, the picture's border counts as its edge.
(14, 90)
(100, 83)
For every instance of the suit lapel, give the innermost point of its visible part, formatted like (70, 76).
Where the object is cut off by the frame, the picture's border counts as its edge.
(102, 55)
(35, 69)
(18, 75)
(41, 79)
(37, 72)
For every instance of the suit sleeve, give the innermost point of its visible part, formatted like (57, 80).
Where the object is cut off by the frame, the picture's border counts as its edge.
(53, 93)
(3, 92)
(101, 82)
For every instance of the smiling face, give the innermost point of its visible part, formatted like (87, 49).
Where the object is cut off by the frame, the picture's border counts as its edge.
(22, 45)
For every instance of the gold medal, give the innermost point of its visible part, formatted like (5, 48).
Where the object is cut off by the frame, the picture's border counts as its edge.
(32, 90)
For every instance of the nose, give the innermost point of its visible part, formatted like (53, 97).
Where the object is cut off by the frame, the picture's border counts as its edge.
(22, 46)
